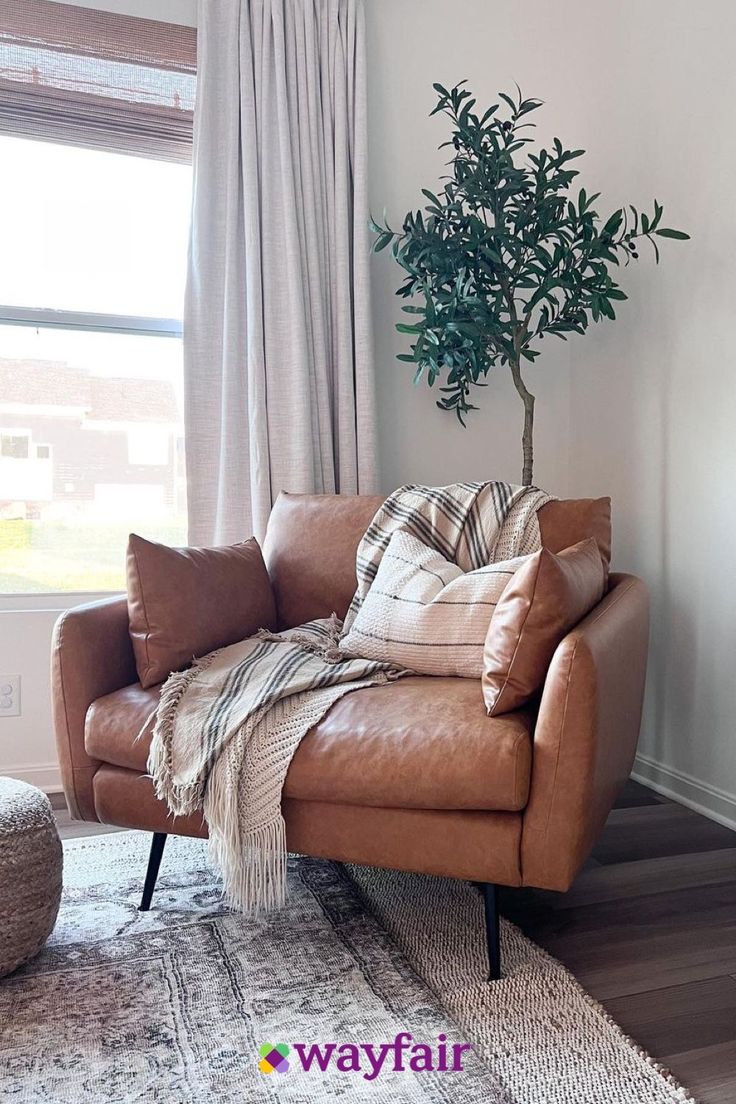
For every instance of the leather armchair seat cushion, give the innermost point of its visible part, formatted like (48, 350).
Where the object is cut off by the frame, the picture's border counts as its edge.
(419, 743)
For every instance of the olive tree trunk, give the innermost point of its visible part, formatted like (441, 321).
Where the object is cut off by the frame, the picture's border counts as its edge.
(527, 437)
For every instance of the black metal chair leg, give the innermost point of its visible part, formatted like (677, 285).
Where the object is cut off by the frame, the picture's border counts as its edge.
(493, 933)
(154, 862)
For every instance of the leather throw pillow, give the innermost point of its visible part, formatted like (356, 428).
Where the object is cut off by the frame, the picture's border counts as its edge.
(186, 602)
(545, 600)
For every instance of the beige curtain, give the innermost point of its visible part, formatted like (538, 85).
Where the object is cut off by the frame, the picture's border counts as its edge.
(277, 345)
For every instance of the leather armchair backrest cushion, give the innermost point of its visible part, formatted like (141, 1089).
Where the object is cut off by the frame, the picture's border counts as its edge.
(567, 521)
(185, 602)
(310, 548)
(312, 540)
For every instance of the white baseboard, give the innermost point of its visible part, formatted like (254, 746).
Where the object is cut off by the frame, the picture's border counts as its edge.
(46, 776)
(711, 801)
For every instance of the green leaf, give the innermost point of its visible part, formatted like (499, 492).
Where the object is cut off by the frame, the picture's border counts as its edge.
(613, 223)
(529, 105)
(431, 196)
(665, 232)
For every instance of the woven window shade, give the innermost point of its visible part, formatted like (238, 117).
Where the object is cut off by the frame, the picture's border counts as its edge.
(96, 79)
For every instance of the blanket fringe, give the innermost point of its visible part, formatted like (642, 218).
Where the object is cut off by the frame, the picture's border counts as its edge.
(253, 867)
(253, 861)
(181, 798)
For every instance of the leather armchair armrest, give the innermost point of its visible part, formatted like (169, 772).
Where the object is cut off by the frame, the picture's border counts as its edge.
(586, 734)
(91, 655)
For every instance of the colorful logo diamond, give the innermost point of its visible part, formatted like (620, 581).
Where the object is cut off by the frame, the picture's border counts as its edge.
(273, 1058)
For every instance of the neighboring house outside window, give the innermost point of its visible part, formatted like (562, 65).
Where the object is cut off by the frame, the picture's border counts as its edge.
(102, 431)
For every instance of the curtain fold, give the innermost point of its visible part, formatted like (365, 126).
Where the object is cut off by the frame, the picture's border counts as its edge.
(277, 338)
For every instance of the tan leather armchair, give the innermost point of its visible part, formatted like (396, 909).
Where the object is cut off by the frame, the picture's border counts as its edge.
(414, 775)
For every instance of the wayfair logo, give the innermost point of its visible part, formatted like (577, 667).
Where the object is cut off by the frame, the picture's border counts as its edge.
(273, 1058)
(369, 1059)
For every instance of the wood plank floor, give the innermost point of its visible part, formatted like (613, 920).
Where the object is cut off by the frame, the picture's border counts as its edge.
(649, 929)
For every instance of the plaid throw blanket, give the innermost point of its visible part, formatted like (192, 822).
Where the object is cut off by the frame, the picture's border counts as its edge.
(471, 524)
(227, 728)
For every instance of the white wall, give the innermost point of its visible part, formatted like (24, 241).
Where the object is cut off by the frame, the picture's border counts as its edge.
(27, 747)
(641, 409)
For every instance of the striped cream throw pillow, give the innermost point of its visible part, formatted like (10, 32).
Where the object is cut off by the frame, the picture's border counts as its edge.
(424, 613)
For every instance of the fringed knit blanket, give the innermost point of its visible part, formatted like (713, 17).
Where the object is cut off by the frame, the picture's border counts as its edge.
(227, 728)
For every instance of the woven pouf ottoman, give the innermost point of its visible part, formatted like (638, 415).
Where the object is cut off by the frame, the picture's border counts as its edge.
(30, 872)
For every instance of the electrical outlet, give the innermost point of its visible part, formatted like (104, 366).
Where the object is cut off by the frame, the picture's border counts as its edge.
(9, 695)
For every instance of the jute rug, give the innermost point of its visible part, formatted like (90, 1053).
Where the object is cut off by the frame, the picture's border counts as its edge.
(189, 1002)
(546, 1040)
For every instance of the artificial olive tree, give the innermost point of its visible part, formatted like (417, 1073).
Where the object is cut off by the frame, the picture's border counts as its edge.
(503, 255)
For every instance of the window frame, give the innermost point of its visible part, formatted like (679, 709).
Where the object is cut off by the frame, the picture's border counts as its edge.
(90, 321)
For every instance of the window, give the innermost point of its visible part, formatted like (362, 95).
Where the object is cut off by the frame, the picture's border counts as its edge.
(94, 210)
(90, 409)
(15, 446)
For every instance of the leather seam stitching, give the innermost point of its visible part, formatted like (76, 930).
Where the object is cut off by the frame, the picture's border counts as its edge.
(613, 603)
(568, 680)
(90, 764)
(519, 737)
(145, 613)
(63, 692)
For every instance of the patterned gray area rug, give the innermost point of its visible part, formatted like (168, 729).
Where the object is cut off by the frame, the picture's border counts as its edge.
(183, 1003)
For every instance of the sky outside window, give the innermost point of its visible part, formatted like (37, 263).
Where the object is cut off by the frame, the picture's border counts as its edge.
(86, 230)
